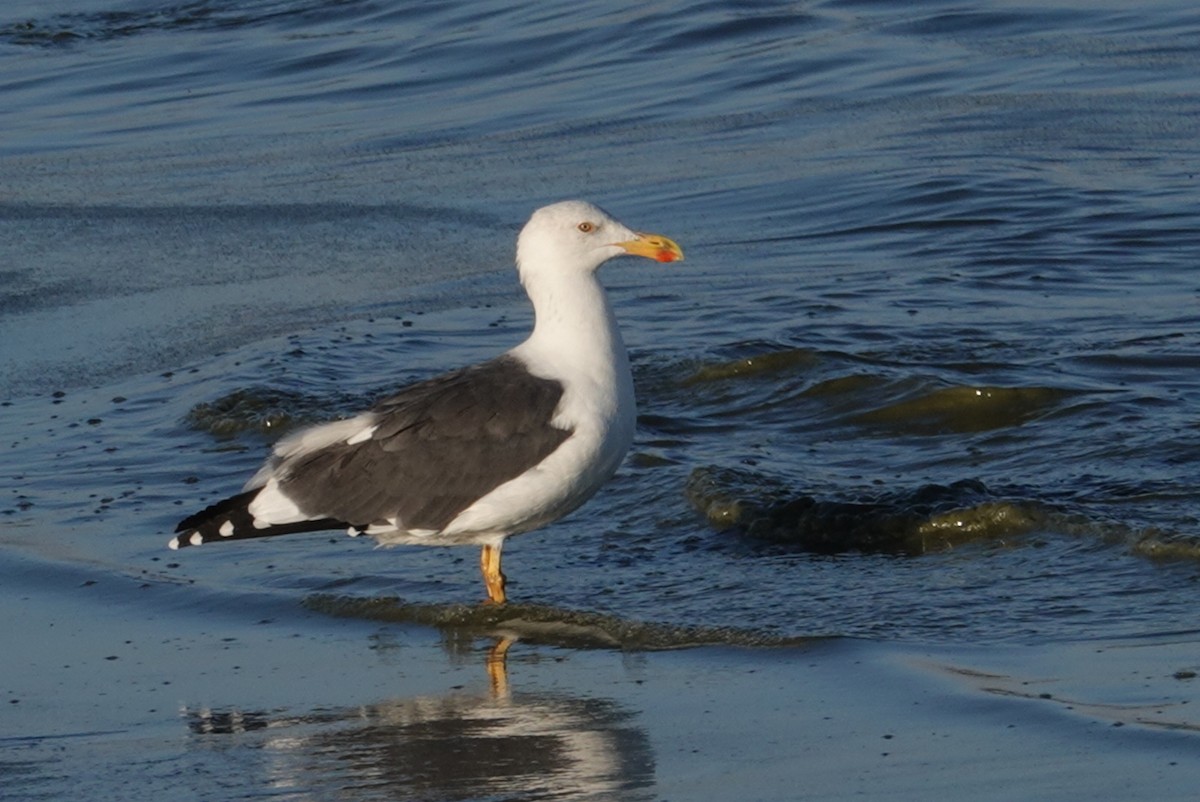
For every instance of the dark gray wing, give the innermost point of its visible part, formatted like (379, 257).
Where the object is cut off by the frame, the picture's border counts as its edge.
(438, 446)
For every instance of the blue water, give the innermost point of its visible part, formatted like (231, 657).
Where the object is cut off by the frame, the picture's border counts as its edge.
(907, 206)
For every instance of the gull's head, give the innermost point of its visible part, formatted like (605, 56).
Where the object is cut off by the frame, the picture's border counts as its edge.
(579, 237)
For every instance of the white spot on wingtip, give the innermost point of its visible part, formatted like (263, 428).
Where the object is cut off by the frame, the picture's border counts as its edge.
(174, 544)
(196, 539)
(353, 532)
(226, 529)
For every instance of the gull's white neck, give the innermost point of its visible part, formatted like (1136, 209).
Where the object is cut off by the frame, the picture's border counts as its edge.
(575, 341)
(575, 334)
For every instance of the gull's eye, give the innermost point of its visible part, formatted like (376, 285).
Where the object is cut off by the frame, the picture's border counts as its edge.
(586, 227)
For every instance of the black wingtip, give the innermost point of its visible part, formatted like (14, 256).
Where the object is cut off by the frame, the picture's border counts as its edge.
(230, 519)
(233, 504)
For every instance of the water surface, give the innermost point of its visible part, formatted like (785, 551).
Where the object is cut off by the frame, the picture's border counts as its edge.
(927, 379)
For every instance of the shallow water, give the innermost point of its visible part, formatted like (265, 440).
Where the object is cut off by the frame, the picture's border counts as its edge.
(928, 375)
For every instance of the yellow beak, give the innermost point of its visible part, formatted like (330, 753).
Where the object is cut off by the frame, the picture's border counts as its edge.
(653, 246)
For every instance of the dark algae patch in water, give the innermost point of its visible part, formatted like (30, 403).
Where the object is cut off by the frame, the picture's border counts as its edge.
(266, 410)
(759, 364)
(545, 624)
(892, 403)
(964, 409)
(929, 518)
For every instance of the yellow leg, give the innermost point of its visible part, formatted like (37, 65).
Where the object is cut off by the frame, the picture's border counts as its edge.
(493, 577)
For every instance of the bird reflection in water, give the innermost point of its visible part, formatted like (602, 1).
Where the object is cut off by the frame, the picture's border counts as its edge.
(502, 744)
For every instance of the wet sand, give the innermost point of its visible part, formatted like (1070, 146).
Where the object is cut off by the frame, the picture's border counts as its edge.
(132, 686)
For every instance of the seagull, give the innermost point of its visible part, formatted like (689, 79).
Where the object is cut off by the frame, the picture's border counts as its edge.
(475, 455)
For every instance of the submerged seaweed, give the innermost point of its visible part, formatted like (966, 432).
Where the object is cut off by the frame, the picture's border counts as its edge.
(965, 409)
(548, 625)
(929, 518)
(265, 410)
(765, 363)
